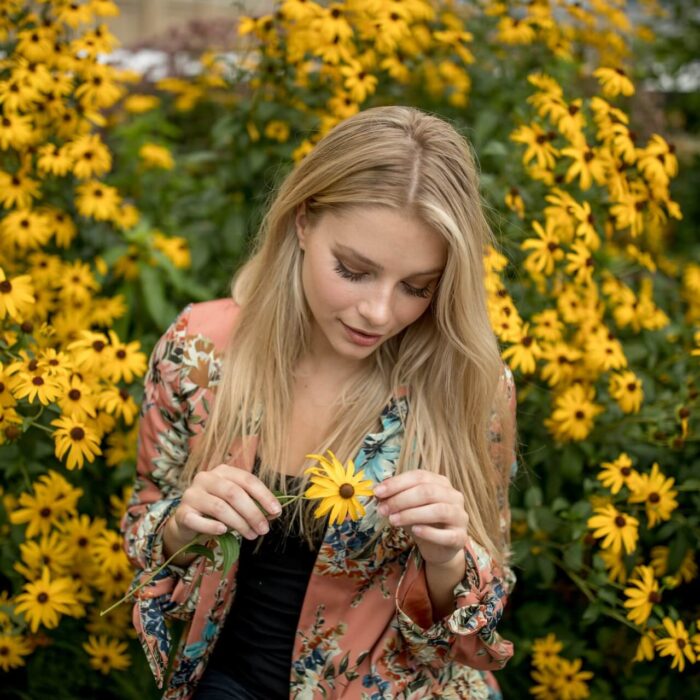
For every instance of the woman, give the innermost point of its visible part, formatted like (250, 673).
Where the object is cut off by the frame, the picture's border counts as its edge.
(358, 325)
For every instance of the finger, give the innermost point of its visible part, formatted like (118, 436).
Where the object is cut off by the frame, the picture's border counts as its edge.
(418, 495)
(401, 482)
(252, 485)
(448, 537)
(432, 514)
(200, 524)
(239, 507)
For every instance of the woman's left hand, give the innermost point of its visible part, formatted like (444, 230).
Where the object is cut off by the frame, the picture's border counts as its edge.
(428, 506)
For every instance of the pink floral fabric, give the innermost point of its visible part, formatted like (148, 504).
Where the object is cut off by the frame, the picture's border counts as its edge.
(366, 629)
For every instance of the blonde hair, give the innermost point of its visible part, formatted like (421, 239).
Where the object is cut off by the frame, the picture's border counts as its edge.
(416, 163)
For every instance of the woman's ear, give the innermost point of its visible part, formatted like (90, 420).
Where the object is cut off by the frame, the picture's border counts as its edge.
(301, 224)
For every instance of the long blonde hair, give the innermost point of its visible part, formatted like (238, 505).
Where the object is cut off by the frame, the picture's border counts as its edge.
(410, 161)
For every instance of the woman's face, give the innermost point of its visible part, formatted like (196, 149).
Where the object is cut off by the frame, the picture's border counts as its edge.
(373, 270)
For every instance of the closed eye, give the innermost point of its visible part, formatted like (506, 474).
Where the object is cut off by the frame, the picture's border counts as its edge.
(343, 271)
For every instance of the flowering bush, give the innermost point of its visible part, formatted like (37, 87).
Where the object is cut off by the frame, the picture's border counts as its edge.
(122, 200)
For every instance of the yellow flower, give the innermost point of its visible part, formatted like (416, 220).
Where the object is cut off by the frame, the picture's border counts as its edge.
(107, 654)
(616, 474)
(571, 680)
(615, 565)
(155, 156)
(645, 648)
(617, 529)
(626, 389)
(97, 200)
(546, 248)
(539, 146)
(137, 104)
(12, 648)
(75, 438)
(545, 651)
(338, 488)
(574, 413)
(16, 296)
(90, 156)
(655, 491)
(642, 594)
(277, 130)
(614, 81)
(17, 190)
(525, 352)
(687, 570)
(124, 361)
(44, 600)
(676, 644)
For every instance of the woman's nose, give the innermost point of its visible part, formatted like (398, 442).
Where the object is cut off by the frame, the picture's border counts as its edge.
(376, 309)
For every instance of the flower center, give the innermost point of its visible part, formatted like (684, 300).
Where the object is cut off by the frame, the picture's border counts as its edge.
(346, 491)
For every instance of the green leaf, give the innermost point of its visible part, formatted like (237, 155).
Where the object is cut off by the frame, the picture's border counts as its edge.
(573, 556)
(161, 310)
(201, 549)
(591, 613)
(533, 497)
(230, 546)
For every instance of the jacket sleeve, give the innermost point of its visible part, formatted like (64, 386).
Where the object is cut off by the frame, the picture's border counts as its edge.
(163, 442)
(468, 634)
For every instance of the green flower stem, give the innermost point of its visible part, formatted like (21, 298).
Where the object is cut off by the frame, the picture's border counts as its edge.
(585, 589)
(151, 577)
(280, 497)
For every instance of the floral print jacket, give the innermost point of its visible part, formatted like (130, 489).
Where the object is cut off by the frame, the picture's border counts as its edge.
(366, 629)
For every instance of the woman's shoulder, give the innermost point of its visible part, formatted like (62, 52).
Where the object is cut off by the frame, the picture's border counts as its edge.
(212, 319)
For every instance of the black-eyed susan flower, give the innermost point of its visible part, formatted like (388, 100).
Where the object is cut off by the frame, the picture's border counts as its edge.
(546, 248)
(539, 145)
(118, 402)
(574, 413)
(687, 569)
(123, 360)
(97, 200)
(90, 350)
(39, 385)
(642, 594)
(89, 155)
(626, 389)
(78, 532)
(587, 166)
(677, 644)
(175, 248)
(78, 401)
(37, 511)
(615, 565)
(561, 362)
(45, 600)
(359, 82)
(655, 490)
(121, 447)
(524, 353)
(138, 104)
(616, 474)
(76, 440)
(25, 229)
(107, 654)
(153, 155)
(645, 647)
(338, 488)
(16, 296)
(614, 81)
(571, 680)
(13, 647)
(108, 550)
(545, 651)
(50, 550)
(17, 190)
(617, 530)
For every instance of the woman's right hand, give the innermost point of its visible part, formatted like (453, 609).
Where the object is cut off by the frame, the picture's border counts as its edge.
(218, 500)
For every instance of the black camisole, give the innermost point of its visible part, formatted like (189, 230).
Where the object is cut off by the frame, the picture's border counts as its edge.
(256, 643)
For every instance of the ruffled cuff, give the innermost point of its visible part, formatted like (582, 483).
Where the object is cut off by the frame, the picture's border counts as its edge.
(467, 635)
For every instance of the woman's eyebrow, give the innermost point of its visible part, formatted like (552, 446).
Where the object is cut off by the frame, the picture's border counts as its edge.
(376, 266)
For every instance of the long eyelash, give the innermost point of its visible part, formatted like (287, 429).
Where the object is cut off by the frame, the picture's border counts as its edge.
(348, 274)
(343, 271)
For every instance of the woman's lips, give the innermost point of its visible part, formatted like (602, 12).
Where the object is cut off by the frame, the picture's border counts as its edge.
(360, 338)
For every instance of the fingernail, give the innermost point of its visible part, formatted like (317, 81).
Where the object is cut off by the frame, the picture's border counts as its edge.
(263, 528)
(276, 509)
(383, 509)
(379, 490)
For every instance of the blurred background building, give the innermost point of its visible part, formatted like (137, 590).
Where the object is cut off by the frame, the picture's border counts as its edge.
(144, 20)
